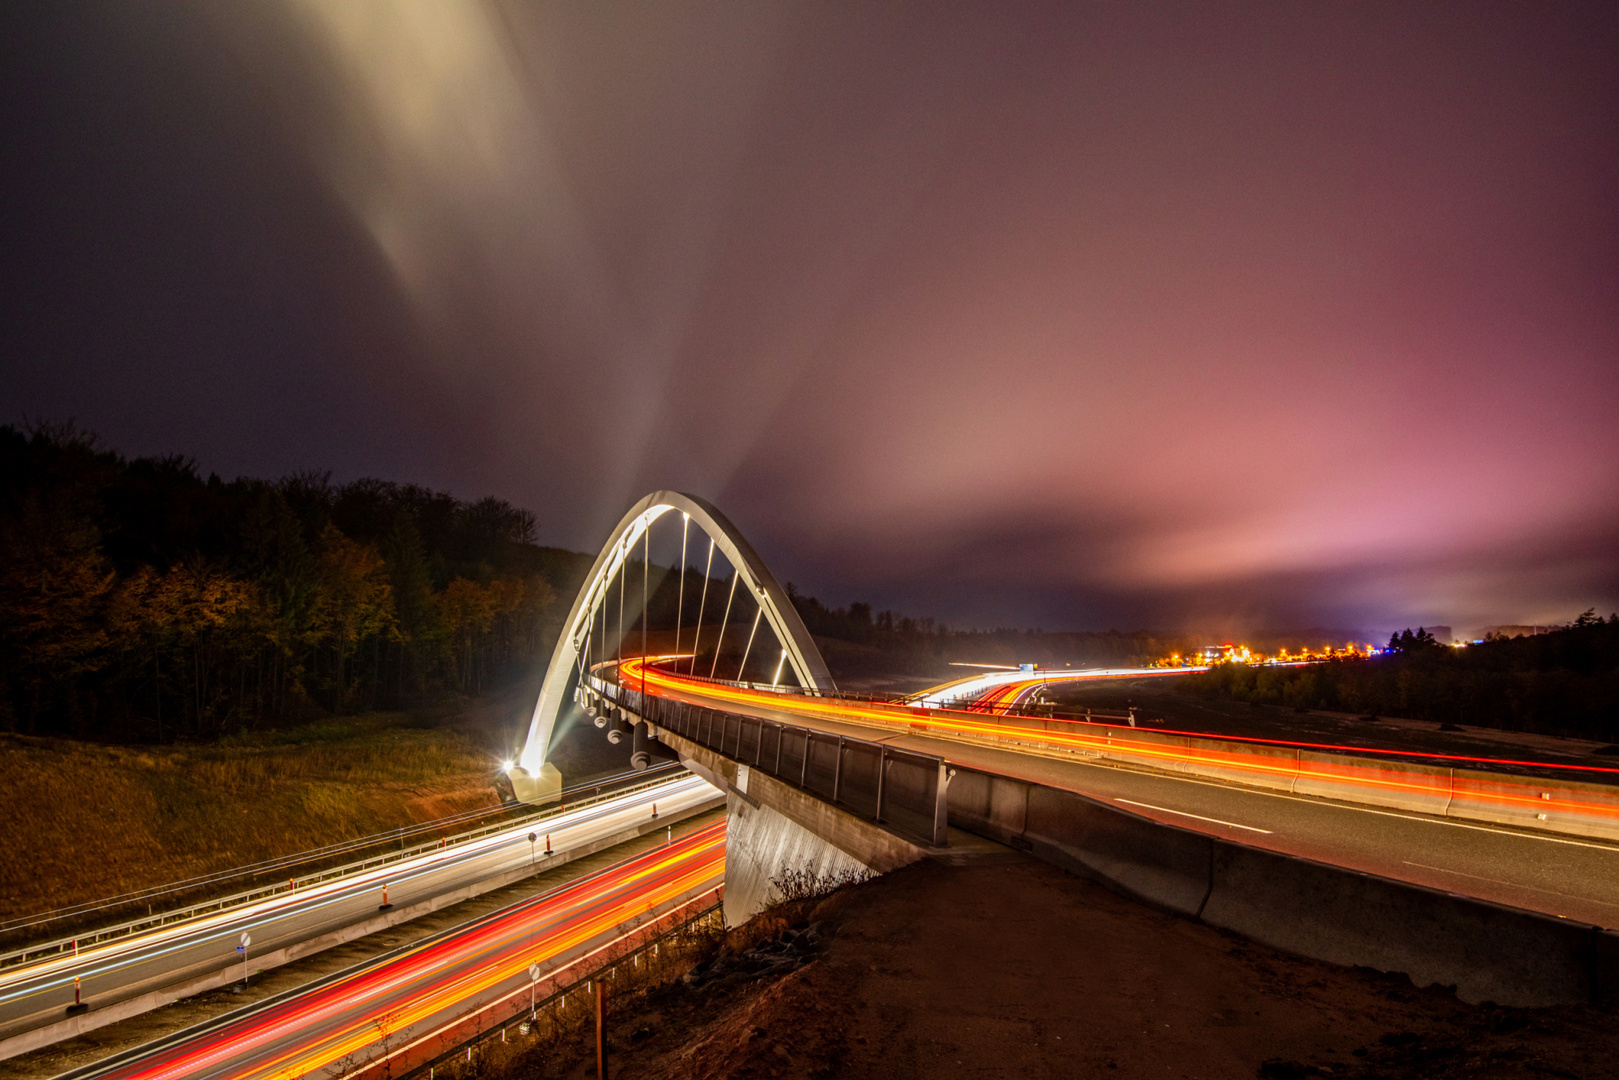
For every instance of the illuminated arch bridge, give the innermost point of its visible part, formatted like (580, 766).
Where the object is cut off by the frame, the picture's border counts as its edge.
(758, 635)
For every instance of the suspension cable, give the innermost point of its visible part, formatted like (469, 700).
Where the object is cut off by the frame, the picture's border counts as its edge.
(584, 653)
(623, 574)
(680, 605)
(749, 649)
(735, 573)
(698, 640)
(646, 572)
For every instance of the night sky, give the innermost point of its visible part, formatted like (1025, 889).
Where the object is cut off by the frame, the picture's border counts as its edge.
(1074, 315)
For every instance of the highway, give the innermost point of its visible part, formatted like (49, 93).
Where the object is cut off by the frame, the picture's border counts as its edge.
(996, 691)
(396, 1008)
(126, 975)
(1571, 877)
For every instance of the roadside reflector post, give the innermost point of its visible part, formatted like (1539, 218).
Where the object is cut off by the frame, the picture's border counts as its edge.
(78, 1005)
(385, 905)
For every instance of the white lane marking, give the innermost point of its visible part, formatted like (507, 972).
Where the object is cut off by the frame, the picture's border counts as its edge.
(193, 934)
(1182, 813)
(1068, 758)
(1511, 884)
(1328, 805)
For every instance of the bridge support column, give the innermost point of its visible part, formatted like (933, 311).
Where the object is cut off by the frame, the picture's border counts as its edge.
(773, 826)
(538, 788)
(761, 843)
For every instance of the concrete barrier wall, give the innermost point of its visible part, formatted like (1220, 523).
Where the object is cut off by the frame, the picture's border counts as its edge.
(1421, 788)
(1565, 806)
(1605, 968)
(1487, 951)
(1166, 867)
(1254, 764)
(1578, 809)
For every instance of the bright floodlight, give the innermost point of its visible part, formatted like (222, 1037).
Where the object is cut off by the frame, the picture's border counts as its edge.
(506, 766)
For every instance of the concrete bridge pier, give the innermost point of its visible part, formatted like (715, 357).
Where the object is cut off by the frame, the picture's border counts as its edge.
(762, 843)
(773, 827)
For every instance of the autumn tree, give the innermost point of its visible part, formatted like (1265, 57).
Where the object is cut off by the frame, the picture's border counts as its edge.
(355, 602)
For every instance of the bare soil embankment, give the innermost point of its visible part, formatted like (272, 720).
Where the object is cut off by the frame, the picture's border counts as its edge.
(80, 822)
(1020, 970)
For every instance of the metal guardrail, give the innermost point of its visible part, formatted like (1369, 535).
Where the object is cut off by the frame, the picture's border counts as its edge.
(898, 789)
(905, 701)
(464, 1051)
(44, 950)
(153, 893)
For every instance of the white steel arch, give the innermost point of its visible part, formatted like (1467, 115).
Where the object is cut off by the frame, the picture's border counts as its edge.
(533, 779)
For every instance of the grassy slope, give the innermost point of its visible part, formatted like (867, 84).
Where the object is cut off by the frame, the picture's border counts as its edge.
(79, 822)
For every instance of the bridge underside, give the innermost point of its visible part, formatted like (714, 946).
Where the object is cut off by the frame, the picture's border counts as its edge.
(803, 812)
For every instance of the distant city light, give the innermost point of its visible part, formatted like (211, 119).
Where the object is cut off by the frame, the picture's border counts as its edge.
(1242, 654)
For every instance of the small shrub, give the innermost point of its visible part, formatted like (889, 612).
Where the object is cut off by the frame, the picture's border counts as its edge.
(791, 886)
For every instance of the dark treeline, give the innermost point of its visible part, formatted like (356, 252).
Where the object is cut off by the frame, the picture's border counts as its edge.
(922, 644)
(1565, 682)
(140, 600)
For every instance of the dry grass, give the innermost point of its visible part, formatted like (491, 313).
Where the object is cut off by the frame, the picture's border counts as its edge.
(80, 822)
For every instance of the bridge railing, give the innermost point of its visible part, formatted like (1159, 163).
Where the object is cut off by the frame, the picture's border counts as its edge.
(898, 789)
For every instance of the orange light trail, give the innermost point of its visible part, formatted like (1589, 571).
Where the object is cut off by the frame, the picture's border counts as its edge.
(343, 1019)
(1268, 762)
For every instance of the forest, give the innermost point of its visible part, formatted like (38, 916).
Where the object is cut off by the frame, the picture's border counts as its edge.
(141, 601)
(1563, 683)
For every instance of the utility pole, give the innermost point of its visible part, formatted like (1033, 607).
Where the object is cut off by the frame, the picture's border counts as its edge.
(601, 1031)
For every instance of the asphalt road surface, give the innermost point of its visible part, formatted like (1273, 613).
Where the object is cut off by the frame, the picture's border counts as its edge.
(40, 993)
(1571, 877)
(398, 1006)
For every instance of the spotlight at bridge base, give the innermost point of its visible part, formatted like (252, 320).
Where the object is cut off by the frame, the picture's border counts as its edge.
(536, 788)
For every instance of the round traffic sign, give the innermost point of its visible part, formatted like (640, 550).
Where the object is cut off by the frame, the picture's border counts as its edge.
(534, 973)
(246, 939)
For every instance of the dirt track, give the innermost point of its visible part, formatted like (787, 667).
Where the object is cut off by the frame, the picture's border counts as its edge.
(1021, 970)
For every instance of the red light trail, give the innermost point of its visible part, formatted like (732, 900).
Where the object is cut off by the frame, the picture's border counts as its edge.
(443, 979)
(1286, 763)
